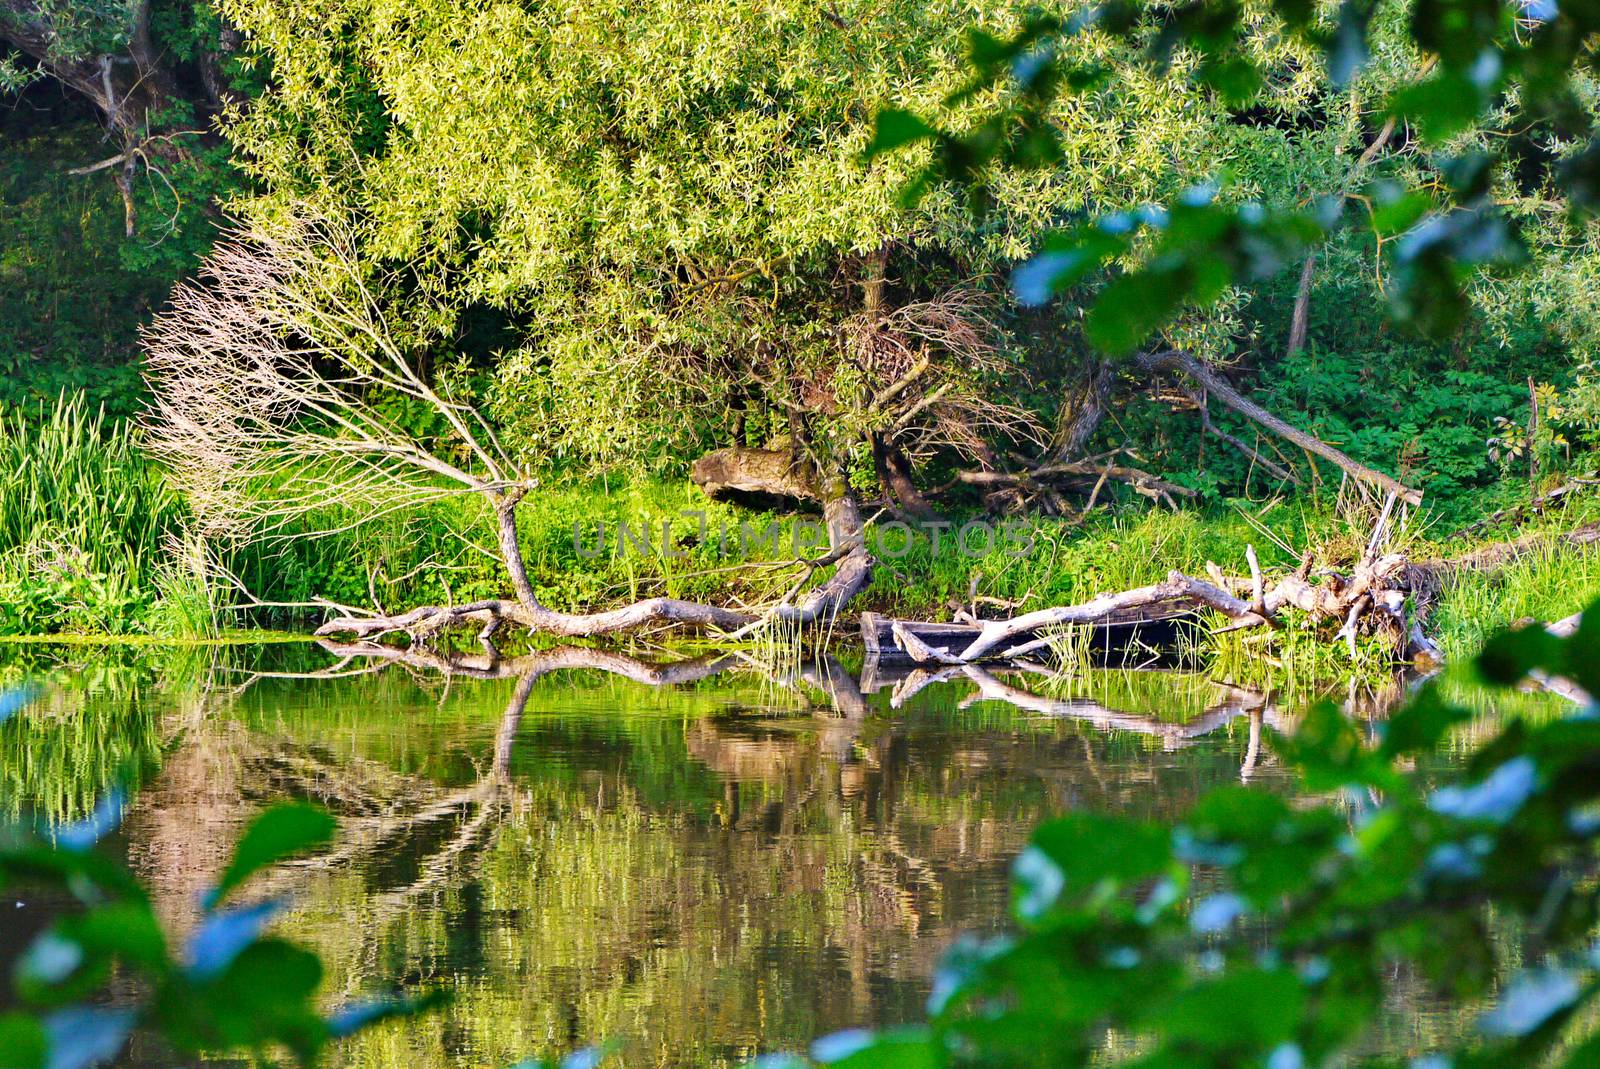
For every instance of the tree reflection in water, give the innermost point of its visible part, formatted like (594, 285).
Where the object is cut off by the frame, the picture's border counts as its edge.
(704, 858)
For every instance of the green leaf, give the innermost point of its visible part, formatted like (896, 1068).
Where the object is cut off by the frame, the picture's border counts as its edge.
(1235, 79)
(1441, 106)
(894, 128)
(1085, 855)
(355, 1017)
(1135, 306)
(1530, 1001)
(57, 969)
(1229, 1013)
(266, 995)
(1420, 724)
(278, 833)
(1065, 260)
(22, 1042)
(1580, 653)
(1397, 211)
(1509, 656)
(1348, 52)
(896, 1048)
(1495, 799)
(129, 930)
(222, 937)
(82, 1036)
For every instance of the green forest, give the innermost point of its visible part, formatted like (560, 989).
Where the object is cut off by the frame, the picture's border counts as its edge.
(850, 351)
(599, 245)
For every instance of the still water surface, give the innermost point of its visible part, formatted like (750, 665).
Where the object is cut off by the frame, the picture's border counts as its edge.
(701, 863)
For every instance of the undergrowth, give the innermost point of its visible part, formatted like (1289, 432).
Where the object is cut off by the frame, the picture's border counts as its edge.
(93, 541)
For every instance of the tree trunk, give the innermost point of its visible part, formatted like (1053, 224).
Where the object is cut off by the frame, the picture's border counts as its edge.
(766, 471)
(1082, 411)
(1219, 388)
(894, 473)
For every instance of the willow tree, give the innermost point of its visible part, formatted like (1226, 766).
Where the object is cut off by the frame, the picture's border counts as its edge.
(667, 205)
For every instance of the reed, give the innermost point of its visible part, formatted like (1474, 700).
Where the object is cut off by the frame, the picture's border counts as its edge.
(86, 524)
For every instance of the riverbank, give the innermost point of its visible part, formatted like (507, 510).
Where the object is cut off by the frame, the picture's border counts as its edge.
(591, 547)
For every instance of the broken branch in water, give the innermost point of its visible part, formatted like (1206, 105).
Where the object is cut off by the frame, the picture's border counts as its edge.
(1371, 597)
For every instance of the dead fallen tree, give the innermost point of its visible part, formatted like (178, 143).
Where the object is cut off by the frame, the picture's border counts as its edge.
(270, 377)
(1216, 386)
(1370, 596)
(1039, 484)
(1381, 593)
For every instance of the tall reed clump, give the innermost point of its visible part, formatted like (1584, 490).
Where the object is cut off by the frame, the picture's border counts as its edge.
(86, 522)
(1545, 581)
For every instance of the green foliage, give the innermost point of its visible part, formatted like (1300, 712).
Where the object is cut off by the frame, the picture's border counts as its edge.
(276, 834)
(231, 987)
(1256, 932)
(84, 522)
(73, 307)
(1492, 68)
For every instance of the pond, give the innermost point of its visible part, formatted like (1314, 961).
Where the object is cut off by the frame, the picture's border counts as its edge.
(701, 859)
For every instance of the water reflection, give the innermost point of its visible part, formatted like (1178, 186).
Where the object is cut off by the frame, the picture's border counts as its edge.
(704, 858)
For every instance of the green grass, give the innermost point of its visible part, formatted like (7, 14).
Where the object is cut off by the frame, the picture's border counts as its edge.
(94, 543)
(1545, 583)
(85, 523)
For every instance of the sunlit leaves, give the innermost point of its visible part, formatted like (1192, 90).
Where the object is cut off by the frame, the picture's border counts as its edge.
(1477, 53)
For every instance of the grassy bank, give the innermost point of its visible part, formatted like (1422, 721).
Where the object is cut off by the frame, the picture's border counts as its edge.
(92, 542)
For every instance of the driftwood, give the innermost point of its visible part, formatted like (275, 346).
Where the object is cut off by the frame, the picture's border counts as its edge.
(1382, 592)
(771, 474)
(1372, 596)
